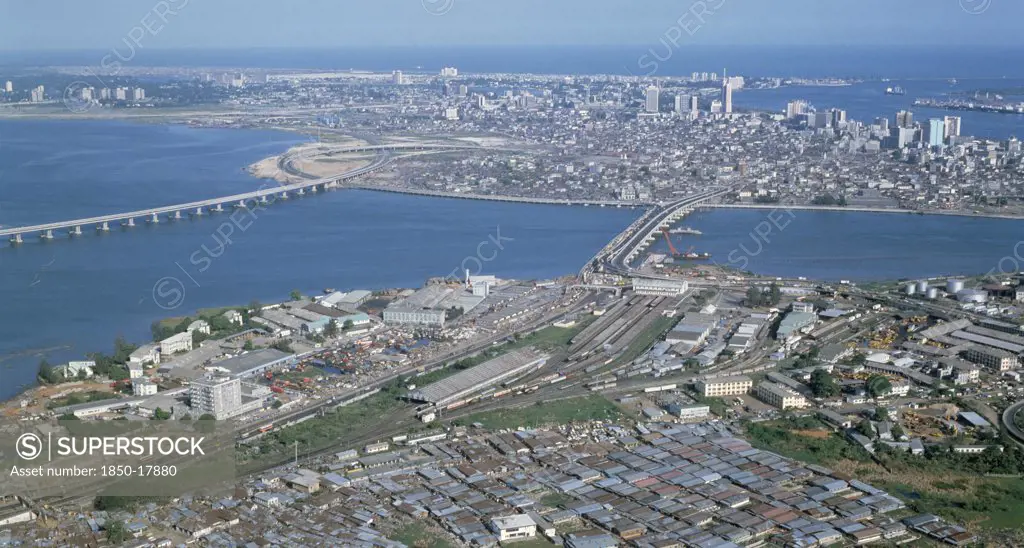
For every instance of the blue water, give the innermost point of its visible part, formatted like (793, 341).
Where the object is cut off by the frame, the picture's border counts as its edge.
(64, 298)
(853, 246)
(867, 101)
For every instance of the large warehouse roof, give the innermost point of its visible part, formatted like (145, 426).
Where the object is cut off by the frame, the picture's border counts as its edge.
(477, 378)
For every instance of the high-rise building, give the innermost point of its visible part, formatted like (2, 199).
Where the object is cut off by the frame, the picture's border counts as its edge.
(936, 132)
(9, 87)
(121, 94)
(217, 396)
(86, 94)
(905, 118)
(38, 94)
(716, 106)
(104, 94)
(694, 107)
(397, 78)
(679, 104)
(883, 124)
(138, 94)
(838, 117)
(727, 96)
(463, 90)
(653, 98)
(795, 108)
(952, 126)
(449, 72)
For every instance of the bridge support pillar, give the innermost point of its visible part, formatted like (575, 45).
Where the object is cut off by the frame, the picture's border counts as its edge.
(104, 226)
(199, 212)
(16, 239)
(154, 218)
(47, 235)
(313, 189)
(241, 204)
(77, 231)
(177, 215)
(284, 195)
(301, 192)
(129, 222)
(264, 200)
(219, 208)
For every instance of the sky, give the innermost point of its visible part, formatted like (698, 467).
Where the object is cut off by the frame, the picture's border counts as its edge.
(175, 24)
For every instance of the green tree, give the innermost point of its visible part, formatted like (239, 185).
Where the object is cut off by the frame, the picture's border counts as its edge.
(117, 532)
(283, 346)
(823, 385)
(49, 374)
(295, 295)
(206, 423)
(331, 329)
(881, 414)
(897, 432)
(865, 428)
(68, 417)
(247, 345)
(160, 415)
(348, 325)
(878, 386)
(755, 297)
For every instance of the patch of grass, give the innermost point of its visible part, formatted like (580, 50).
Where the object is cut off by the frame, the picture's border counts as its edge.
(654, 332)
(782, 437)
(555, 500)
(416, 535)
(583, 408)
(81, 397)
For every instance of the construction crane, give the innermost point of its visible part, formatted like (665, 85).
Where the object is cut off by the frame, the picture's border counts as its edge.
(668, 240)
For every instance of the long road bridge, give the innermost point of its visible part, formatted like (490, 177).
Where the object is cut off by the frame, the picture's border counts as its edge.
(256, 198)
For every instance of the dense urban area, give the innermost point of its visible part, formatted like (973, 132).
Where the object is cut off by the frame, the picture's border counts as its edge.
(652, 399)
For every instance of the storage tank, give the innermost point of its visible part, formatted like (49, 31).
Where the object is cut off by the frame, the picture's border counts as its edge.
(922, 286)
(933, 293)
(954, 286)
(971, 296)
(910, 288)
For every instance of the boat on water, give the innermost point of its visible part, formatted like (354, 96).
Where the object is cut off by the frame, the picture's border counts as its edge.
(685, 230)
(691, 256)
(895, 90)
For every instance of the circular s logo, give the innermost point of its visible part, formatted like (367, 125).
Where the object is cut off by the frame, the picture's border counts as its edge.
(29, 446)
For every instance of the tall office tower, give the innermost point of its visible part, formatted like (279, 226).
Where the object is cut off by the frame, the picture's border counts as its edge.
(727, 96)
(679, 104)
(883, 124)
(9, 87)
(716, 106)
(449, 72)
(952, 126)
(396, 78)
(795, 108)
(694, 107)
(138, 94)
(905, 118)
(651, 104)
(217, 396)
(936, 132)
(838, 117)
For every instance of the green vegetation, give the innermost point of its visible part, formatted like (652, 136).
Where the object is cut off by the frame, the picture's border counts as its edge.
(556, 500)
(823, 385)
(878, 386)
(829, 200)
(416, 535)
(220, 327)
(757, 297)
(717, 405)
(111, 503)
(805, 439)
(584, 408)
(295, 295)
(646, 339)
(116, 532)
(80, 398)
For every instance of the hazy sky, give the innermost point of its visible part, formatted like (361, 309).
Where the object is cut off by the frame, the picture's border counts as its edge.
(103, 24)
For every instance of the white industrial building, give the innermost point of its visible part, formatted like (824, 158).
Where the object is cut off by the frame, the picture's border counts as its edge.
(217, 396)
(780, 396)
(181, 342)
(725, 386)
(658, 286)
(514, 527)
(478, 378)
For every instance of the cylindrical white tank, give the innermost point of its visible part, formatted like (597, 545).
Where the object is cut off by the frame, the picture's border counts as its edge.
(954, 286)
(933, 293)
(971, 296)
(910, 288)
(922, 286)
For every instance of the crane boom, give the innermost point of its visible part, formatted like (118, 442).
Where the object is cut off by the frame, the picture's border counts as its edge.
(668, 240)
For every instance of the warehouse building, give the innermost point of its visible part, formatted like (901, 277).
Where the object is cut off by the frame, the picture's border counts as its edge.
(427, 317)
(780, 396)
(725, 386)
(793, 323)
(181, 342)
(252, 363)
(993, 358)
(658, 286)
(477, 378)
